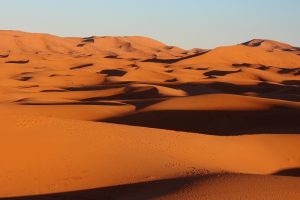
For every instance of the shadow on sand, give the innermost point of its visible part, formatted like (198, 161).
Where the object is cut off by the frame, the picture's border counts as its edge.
(289, 172)
(136, 191)
(277, 120)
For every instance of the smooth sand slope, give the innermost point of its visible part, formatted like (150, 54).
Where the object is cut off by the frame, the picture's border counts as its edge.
(133, 118)
(48, 155)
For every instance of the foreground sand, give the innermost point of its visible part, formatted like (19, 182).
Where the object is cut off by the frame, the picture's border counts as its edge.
(132, 118)
(48, 155)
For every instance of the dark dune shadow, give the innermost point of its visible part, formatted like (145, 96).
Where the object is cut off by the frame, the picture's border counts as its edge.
(18, 61)
(97, 87)
(202, 68)
(143, 103)
(135, 191)
(288, 92)
(4, 56)
(113, 72)
(24, 78)
(29, 86)
(289, 96)
(80, 45)
(53, 91)
(193, 89)
(292, 49)
(289, 172)
(242, 65)
(262, 67)
(246, 65)
(292, 82)
(56, 75)
(169, 47)
(287, 70)
(139, 97)
(219, 73)
(263, 89)
(277, 120)
(88, 39)
(113, 56)
(82, 66)
(82, 56)
(171, 61)
(260, 88)
(221, 87)
(252, 43)
(133, 59)
(76, 103)
(210, 77)
(131, 94)
(171, 80)
(24, 73)
(169, 70)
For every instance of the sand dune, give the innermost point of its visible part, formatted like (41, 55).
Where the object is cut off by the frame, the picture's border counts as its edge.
(133, 118)
(51, 160)
(224, 56)
(218, 114)
(194, 188)
(271, 45)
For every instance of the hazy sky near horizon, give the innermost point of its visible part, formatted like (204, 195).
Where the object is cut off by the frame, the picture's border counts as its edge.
(184, 23)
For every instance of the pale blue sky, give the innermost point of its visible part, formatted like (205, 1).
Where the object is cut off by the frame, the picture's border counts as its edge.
(184, 23)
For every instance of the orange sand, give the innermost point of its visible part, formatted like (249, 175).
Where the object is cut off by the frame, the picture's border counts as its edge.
(133, 118)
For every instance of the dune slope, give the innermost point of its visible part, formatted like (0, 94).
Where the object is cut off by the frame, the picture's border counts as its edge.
(133, 118)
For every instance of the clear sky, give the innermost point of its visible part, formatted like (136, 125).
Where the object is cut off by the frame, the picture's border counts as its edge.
(184, 23)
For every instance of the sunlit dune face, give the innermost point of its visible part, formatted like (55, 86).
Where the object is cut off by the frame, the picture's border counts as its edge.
(133, 118)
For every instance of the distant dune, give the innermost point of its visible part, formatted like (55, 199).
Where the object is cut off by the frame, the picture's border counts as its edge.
(133, 118)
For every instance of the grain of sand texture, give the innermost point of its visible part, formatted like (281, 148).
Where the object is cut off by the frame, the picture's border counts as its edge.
(132, 118)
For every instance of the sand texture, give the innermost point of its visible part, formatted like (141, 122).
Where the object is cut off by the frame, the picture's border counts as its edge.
(132, 118)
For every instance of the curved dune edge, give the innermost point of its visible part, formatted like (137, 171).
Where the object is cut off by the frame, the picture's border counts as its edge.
(56, 93)
(228, 186)
(59, 155)
(217, 114)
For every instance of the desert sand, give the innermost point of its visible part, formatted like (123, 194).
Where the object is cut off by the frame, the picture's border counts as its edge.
(133, 118)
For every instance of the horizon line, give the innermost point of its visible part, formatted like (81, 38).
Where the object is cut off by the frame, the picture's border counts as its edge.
(146, 36)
